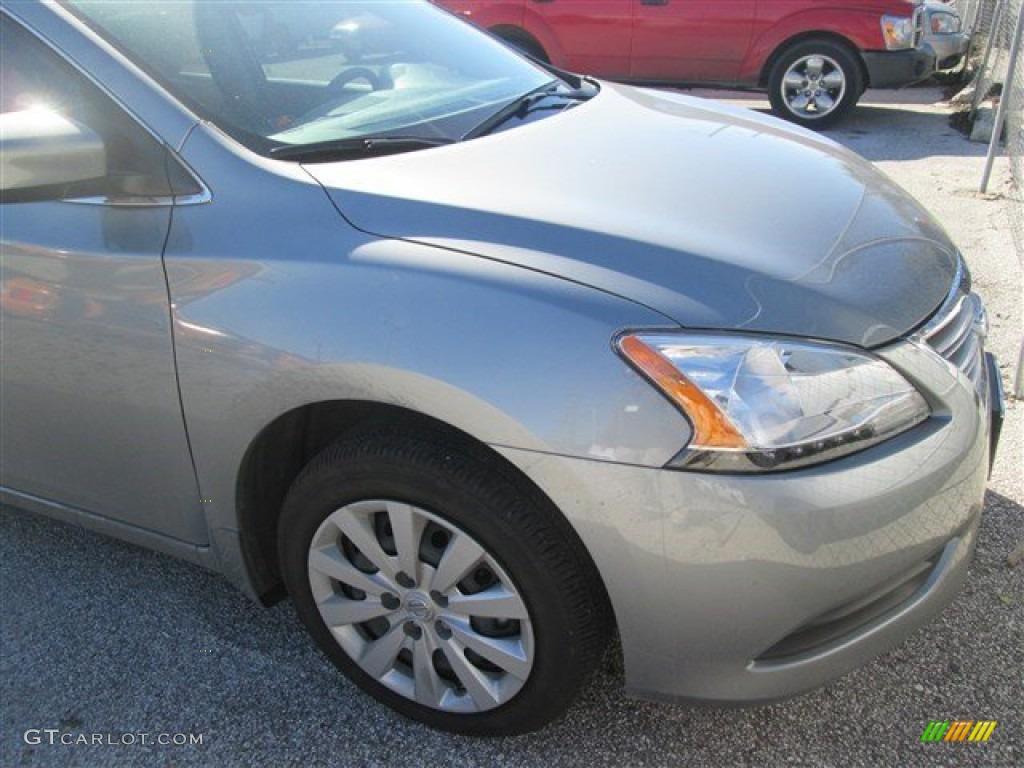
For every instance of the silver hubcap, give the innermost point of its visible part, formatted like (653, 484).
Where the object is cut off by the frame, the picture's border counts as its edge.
(420, 606)
(813, 86)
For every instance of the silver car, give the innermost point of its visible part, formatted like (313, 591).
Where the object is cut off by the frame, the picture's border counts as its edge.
(944, 35)
(480, 361)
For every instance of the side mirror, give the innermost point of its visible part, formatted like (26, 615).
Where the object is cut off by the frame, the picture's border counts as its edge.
(40, 149)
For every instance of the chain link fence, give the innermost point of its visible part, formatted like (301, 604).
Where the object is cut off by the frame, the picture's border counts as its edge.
(999, 82)
(975, 13)
(996, 60)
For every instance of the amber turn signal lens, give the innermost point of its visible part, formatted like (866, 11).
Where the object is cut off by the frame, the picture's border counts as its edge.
(711, 428)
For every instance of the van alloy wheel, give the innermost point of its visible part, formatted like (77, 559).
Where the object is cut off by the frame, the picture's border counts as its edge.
(814, 83)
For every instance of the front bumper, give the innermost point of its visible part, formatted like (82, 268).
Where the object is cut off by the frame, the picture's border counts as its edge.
(753, 588)
(949, 50)
(891, 69)
(997, 406)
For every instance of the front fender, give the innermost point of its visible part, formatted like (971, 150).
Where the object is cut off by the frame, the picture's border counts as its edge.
(537, 26)
(860, 29)
(293, 306)
(488, 14)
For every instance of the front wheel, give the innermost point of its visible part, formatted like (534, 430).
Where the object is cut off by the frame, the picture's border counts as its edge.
(814, 83)
(441, 584)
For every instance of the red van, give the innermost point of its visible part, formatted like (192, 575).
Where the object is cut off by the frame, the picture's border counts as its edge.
(814, 57)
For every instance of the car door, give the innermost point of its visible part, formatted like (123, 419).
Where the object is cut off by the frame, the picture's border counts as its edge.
(690, 40)
(91, 417)
(589, 36)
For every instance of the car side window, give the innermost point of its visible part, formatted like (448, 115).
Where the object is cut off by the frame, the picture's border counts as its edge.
(34, 77)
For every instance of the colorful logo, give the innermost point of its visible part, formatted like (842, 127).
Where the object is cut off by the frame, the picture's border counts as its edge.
(958, 730)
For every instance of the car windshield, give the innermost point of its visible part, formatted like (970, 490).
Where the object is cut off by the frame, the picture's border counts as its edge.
(289, 74)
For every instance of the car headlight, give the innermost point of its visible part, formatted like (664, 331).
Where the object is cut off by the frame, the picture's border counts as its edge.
(898, 32)
(944, 23)
(760, 404)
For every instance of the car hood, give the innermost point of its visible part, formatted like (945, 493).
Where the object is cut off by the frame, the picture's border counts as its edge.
(717, 218)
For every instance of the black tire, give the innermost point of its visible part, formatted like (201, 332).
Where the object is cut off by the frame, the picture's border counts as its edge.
(815, 82)
(529, 547)
(951, 77)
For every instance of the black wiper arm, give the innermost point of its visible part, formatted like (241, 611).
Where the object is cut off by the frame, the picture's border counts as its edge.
(572, 79)
(521, 106)
(336, 149)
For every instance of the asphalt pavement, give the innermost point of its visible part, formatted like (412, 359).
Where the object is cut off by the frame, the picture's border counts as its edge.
(138, 659)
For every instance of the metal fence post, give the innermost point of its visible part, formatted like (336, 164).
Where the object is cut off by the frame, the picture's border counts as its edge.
(1004, 101)
(973, 15)
(992, 32)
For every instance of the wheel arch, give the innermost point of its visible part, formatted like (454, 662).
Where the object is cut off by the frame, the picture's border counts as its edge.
(282, 449)
(803, 37)
(521, 38)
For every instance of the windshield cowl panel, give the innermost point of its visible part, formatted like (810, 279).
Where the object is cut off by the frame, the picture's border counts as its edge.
(290, 74)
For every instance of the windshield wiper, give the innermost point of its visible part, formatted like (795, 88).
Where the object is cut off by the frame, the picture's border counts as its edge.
(524, 104)
(377, 146)
(336, 149)
(570, 78)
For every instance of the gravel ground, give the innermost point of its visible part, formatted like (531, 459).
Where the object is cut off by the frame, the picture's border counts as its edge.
(100, 637)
